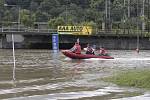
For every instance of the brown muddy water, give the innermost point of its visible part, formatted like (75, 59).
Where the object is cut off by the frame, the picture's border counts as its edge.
(44, 75)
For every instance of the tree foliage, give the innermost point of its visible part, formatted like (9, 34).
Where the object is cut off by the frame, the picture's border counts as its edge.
(74, 12)
(53, 23)
(26, 18)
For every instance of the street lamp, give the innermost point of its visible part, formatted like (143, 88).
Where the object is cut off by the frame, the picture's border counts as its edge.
(6, 5)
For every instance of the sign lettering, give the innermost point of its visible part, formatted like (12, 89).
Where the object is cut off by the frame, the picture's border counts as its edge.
(76, 30)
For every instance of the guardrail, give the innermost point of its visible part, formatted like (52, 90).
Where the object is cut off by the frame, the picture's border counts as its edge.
(129, 32)
(28, 30)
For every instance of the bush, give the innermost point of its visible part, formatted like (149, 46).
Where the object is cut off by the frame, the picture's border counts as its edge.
(137, 78)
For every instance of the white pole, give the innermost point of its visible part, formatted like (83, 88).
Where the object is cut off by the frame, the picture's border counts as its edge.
(13, 45)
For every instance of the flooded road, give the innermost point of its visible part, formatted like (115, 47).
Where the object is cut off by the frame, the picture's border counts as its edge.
(43, 75)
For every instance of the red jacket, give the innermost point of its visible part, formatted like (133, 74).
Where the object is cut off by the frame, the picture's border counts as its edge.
(76, 49)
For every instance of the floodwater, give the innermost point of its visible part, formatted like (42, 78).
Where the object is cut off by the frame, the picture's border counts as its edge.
(44, 75)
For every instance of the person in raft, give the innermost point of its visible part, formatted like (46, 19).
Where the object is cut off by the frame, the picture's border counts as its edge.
(103, 52)
(89, 49)
(76, 48)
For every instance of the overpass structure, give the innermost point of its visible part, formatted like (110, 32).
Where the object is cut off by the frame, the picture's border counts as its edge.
(41, 39)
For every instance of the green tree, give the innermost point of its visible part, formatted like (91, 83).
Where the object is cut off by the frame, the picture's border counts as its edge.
(7, 20)
(75, 12)
(26, 18)
(53, 23)
(92, 24)
(42, 16)
(47, 5)
(1, 11)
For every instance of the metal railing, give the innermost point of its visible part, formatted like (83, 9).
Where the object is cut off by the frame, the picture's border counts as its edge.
(28, 30)
(129, 32)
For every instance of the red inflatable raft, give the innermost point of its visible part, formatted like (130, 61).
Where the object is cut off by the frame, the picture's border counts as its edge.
(83, 56)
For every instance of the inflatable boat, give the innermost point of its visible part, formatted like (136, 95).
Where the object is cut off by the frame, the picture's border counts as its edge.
(83, 56)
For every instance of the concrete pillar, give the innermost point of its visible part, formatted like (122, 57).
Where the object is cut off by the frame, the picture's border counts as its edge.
(103, 25)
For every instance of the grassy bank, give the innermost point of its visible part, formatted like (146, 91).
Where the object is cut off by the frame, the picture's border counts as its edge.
(136, 78)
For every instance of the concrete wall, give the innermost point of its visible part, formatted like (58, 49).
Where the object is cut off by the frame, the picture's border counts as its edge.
(111, 42)
(67, 41)
(17, 38)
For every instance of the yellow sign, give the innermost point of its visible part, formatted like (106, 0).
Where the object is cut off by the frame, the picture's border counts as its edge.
(75, 30)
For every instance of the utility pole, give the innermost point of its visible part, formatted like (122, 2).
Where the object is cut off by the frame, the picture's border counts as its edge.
(129, 16)
(106, 10)
(143, 22)
(137, 25)
(128, 8)
(148, 16)
(109, 26)
(106, 13)
(124, 14)
(124, 5)
(19, 18)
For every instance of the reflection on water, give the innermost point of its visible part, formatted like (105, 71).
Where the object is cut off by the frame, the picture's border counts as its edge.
(42, 74)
